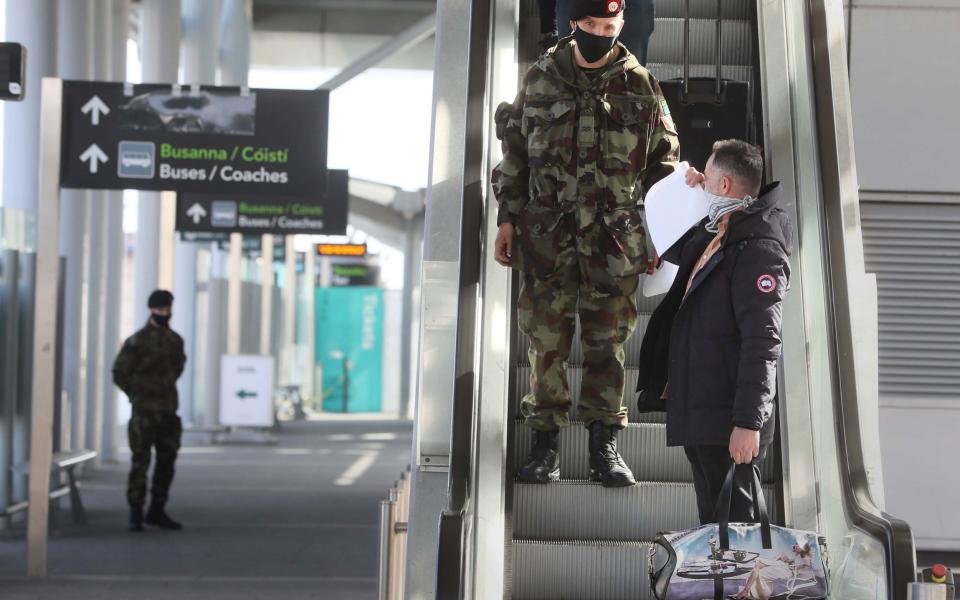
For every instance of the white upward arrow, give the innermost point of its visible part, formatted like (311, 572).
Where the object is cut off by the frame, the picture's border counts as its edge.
(95, 155)
(95, 107)
(196, 212)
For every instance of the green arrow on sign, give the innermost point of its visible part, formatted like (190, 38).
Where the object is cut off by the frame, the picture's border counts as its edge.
(244, 394)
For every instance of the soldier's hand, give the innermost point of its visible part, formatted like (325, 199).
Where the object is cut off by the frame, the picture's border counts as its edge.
(503, 247)
(653, 263)
(694, 177)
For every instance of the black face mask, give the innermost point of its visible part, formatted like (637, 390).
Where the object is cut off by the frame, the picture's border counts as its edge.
(593, 47)
(161, 320)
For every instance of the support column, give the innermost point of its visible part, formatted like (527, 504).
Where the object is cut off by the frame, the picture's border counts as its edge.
(44, 346)
(235, 24)
(114, 249)
(159, 27)
(74, 61)
(289, 309)
(35, 26)
(97, 233)
(310, 316)
(412, 255)
(266, 296)
(199, 46)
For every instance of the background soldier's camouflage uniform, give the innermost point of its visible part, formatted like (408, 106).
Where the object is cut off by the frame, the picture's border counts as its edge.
(579, 151)
(147, 370)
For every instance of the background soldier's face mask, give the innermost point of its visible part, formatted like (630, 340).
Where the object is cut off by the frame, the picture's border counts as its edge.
(593, 47)
(161, 320)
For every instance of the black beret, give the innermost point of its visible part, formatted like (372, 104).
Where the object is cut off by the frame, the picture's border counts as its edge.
(160, 299)
(580, 9)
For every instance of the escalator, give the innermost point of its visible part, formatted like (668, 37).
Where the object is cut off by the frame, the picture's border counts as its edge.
(574, 539)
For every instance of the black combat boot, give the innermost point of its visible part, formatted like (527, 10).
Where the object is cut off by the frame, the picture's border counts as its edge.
(136, 518)
(544, 463)
(606, 464)
(158, 517)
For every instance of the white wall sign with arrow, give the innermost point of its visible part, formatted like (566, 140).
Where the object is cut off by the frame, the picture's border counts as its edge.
(246, 390)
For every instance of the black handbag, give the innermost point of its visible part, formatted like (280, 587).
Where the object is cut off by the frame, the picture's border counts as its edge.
(707, 109)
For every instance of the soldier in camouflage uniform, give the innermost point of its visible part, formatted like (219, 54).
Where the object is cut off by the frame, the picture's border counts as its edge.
(588, 134)
(147, 370)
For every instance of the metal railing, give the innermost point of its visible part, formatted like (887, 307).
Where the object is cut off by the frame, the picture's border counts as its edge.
(394, 519)
(845, 252)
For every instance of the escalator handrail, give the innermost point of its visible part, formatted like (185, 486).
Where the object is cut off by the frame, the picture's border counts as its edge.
(836, 152)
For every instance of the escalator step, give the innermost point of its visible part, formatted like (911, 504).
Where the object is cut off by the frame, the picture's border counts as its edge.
(574, 378)
(642, 445)
(631, 348)
(703, 9)
(665, 71)
(666, 44)
(581, 510)
(580, 570)
(639, 418)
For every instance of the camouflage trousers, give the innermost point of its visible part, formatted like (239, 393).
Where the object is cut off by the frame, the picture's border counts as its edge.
(148, 431)
(546, 312)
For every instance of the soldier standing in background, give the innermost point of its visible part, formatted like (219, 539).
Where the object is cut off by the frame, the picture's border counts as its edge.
(147, 370)
(588, 134)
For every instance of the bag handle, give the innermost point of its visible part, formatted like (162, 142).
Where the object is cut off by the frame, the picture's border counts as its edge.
(759, 506)
(686, 50)
(717, 89)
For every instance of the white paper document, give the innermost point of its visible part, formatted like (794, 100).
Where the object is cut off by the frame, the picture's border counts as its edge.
(673, 207)
(661, 281)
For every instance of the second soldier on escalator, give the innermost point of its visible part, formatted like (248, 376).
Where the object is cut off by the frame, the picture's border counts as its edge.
(147, 370)
(587, 135)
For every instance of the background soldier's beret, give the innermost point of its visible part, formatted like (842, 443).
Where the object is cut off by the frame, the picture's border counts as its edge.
(580, 9)
(160, 299)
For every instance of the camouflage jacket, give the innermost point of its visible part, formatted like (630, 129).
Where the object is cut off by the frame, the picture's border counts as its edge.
(148, 367)
(584, 146)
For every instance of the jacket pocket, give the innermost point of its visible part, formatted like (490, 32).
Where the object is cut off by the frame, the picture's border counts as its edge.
(624, 242)
(713, 371)
(541, 238)
(550, 132)
(625, 134)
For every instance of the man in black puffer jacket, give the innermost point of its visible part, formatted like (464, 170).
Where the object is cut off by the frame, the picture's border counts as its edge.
(712, 346)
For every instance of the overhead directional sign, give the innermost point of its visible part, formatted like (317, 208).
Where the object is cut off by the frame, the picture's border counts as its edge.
(202, 139)
(322, 212)
(347, 274)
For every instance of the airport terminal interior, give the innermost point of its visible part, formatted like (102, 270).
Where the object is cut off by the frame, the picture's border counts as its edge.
(255, 342)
